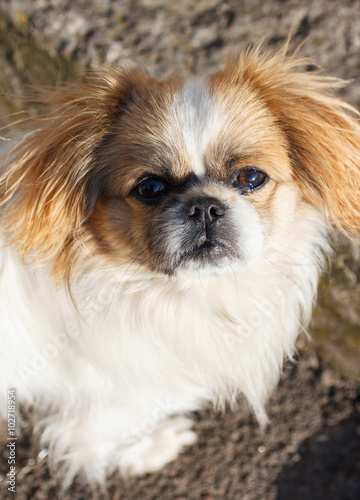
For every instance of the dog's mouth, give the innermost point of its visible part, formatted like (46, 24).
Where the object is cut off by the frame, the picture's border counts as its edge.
(208, 253)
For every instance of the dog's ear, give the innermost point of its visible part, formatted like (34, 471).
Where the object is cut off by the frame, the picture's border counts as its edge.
(50, 184)
(323, 135)
(322, 132)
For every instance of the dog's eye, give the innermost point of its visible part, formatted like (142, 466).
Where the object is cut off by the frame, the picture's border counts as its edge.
(151, 189)
(249, 179)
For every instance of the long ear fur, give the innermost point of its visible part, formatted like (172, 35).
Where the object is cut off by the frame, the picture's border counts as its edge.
(43, 189)
(323, 133)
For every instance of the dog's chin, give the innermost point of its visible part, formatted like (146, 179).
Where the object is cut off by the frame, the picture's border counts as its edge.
(207, 258)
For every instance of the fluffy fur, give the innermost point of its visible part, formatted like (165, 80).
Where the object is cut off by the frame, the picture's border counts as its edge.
(162, 243)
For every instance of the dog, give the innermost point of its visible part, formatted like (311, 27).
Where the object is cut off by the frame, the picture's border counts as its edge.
(162, 243)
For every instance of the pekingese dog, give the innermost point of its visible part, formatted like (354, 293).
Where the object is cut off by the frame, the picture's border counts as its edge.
(161, 247)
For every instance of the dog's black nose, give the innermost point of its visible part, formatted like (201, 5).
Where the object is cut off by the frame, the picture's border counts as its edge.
(204, 209)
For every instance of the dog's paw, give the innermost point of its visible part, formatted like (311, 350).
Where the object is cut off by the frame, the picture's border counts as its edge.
(155, 450)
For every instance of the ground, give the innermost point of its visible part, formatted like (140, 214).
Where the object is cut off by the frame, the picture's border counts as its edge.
(311, 449)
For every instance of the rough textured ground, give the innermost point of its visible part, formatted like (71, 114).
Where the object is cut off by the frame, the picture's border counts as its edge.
(312, 448)
(310, 451)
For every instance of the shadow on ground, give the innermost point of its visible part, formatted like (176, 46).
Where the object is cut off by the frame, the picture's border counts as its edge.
(328, 466)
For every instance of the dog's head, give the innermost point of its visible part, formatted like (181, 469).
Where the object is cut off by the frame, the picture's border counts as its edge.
(201, 173)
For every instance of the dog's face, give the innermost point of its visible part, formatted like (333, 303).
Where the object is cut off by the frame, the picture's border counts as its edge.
(194, 177)
(173, 176)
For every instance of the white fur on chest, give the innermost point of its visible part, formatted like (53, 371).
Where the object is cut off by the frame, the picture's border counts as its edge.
(222, 335)
(135, 351)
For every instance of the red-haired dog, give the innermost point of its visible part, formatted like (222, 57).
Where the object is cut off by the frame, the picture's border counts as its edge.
(161, 248)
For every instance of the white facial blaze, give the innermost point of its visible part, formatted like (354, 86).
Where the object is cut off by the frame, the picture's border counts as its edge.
(195, 119)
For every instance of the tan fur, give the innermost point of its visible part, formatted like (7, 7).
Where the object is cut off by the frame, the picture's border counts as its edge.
(51, 175)
(61, 190)
(193, 295)
(322, 133)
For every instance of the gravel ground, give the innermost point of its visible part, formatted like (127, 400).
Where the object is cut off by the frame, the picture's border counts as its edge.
(311, 449)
